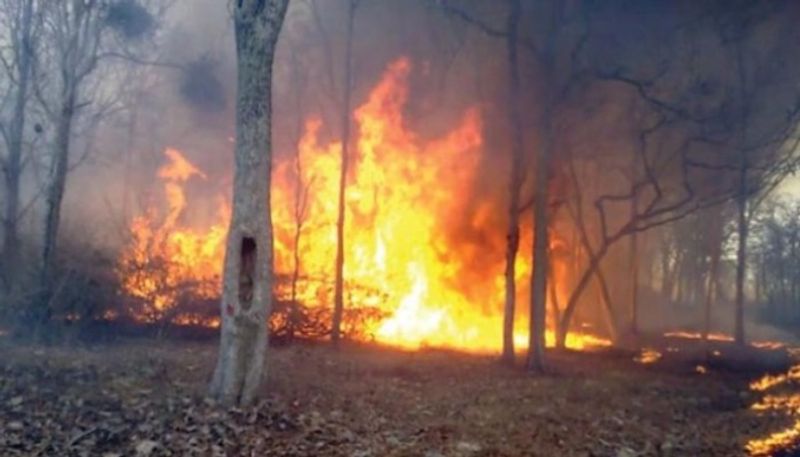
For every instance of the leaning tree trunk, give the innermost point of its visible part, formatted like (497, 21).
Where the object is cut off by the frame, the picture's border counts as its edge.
(605, 300)
(338, 292)
(515, 183)
(580, 233)
(247, 277)
(572, 302)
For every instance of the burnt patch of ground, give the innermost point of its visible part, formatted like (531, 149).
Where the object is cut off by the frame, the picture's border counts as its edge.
(147, 399)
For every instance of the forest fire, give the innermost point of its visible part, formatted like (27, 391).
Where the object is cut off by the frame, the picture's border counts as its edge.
(418, 241)
(345, 227)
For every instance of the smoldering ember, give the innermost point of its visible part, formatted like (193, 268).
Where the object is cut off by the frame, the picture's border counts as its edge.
(399, 228)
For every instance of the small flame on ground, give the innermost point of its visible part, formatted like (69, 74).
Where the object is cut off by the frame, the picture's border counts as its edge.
(784, 402)
(698, 336)
(647, 356)
(716, 336)
(769, 381)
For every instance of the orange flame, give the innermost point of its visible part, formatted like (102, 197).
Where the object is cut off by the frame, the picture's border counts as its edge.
(785, 402)
(163, 256)
(421, 247)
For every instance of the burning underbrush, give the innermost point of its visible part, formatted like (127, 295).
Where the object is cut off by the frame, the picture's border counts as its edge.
(423, 248)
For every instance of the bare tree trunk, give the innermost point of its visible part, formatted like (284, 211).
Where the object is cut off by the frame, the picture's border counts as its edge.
(608, 310)
(555, 307)
(247, 277)
(338, 295)
(300, 195)
(711, 287)
(12, 168)
(301, 203)
(741, 254)
(633, 259)
(58, 180)
(299, 210)
(536, 344)
(569, 310)
(579, 228)
(592, 270)
(515, 182)
(666, 270)
(741, 199)
(605, 301)
(633, 265)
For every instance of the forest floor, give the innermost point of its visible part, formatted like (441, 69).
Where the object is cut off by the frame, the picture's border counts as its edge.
(144, 398)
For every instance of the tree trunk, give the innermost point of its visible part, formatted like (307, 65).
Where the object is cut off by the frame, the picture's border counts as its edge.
(547, 86)
(608, 310)
(666, 271)
(741, 255)
(247, 276)
(338, 295)
(515, 182)
(536, 343)
(711, 286)
(293, 310)
(58, 180)
(741, 200)
(555, 307)
(633, 266)
(13, 166)
(569, 310)
(579, 228)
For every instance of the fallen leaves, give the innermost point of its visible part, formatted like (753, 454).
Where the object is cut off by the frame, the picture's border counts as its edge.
(137, 401)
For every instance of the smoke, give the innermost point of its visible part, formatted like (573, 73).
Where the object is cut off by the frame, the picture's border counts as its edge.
(201, 88)
(132, 20)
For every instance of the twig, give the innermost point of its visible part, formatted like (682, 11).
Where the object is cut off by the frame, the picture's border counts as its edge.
(80, 436)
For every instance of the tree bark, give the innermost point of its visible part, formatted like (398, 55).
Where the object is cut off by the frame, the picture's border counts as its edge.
(741, 254)
(58, 179)
(633, 252)
(12, 168)
(711, 286)
(579, 228)
(536, 343)
(515, 182)
(247, 276)
(741, 199)
(300, 200)
(569, 310)
(338, 294)
(546, 61)
(605, 300)
(555, 306)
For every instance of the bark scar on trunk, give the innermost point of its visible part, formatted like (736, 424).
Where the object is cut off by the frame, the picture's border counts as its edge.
(247, 264)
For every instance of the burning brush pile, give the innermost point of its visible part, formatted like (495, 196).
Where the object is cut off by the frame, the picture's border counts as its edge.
(423, 251)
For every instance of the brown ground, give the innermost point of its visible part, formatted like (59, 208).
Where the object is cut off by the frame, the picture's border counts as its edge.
(146, 398)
